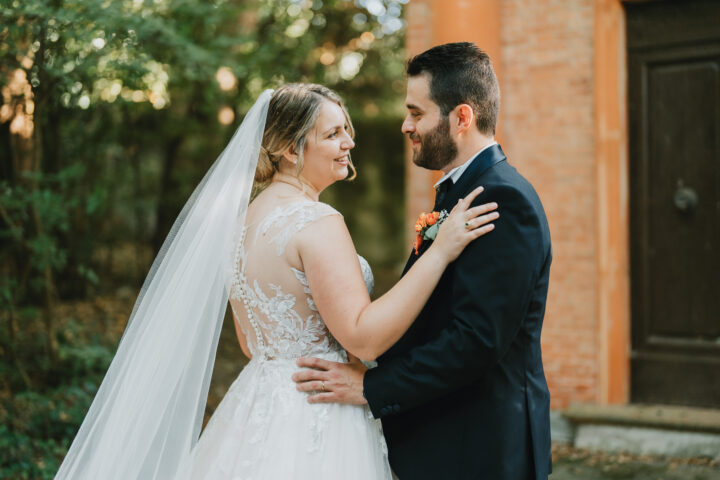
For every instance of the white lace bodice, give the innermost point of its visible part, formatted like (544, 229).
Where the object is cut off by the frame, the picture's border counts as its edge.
(266, 288)
(265, 428)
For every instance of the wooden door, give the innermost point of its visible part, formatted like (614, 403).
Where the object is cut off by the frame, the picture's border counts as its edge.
(674, 121)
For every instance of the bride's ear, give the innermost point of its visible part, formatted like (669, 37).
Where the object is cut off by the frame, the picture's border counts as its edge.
(291, 155)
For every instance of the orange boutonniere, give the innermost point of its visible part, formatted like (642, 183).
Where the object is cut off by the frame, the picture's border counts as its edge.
(427, 226)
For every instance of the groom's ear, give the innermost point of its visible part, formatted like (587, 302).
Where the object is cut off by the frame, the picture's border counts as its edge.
(462, 117)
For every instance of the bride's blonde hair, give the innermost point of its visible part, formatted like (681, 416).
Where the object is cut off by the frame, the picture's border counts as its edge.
(293, 111)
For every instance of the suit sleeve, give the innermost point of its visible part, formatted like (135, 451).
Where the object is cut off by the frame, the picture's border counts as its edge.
(493, 281)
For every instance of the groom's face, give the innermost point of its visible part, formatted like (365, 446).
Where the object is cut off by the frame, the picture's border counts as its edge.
(429, 130)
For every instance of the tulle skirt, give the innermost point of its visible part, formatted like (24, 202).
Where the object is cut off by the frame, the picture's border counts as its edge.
(264, 429)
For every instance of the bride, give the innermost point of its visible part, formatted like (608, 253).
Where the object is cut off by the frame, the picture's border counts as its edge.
(296, 287)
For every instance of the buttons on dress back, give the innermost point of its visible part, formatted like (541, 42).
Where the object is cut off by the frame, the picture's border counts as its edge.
(242, 285)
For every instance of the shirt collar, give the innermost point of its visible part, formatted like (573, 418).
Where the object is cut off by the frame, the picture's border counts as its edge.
(455, 174)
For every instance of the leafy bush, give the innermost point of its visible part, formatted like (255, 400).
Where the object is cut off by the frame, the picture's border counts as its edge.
(36, 427)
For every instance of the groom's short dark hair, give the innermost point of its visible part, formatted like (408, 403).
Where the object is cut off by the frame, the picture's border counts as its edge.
(461, 73)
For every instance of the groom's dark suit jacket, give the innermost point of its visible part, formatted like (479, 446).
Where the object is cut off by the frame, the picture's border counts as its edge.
(462, 395)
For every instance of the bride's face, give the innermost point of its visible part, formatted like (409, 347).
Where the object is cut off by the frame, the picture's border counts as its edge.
(327, 147)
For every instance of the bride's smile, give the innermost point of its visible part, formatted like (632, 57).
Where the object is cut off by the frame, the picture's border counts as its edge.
(327, 149)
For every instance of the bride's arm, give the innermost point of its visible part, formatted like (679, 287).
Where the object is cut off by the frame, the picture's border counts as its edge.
(367, 329)
(241, 337)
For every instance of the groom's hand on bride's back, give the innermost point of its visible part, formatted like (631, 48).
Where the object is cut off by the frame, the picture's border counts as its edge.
(331, 382)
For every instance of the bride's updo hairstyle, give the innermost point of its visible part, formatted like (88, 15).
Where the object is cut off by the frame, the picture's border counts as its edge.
(293, 111)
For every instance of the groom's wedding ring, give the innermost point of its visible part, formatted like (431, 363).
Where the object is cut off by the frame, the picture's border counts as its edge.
(323, 386)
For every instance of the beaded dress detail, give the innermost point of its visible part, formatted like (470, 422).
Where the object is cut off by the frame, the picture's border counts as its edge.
(264, 428)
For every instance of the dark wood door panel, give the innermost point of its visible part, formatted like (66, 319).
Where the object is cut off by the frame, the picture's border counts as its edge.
(681, 147)
(655, 24)
(676, 380)
(674, 122)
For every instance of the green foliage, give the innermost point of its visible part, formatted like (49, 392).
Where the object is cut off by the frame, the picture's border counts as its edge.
(38, 424)
(35, 211)
(36, 428)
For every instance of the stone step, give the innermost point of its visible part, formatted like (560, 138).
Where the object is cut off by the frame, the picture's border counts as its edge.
(640, 429)
(655, 416)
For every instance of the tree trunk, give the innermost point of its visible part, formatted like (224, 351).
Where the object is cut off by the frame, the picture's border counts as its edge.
(166, 208)
(7, 167)
(45, 156)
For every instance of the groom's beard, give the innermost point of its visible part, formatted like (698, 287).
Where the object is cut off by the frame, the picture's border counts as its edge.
(437, 147)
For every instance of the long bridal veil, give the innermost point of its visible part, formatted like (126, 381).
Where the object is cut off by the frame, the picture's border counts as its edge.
(148, 411)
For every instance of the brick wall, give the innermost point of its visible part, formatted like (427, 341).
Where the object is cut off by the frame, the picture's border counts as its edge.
(547, 117)
(547, 131)
(418, 188)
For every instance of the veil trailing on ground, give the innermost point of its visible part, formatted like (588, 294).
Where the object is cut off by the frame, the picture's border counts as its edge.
(147, 414)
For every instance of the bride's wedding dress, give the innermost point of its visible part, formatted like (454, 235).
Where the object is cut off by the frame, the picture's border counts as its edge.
(264, 428)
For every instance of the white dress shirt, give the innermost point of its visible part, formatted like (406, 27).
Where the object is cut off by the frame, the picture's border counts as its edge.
(457, 172)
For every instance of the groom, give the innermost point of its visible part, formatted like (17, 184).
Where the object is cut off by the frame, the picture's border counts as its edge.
(462, 395)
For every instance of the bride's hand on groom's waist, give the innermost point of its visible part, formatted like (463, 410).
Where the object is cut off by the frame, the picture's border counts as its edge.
(331, 382)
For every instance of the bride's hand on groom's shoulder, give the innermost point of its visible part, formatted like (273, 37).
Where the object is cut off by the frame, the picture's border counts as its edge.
(331, 382)
(464, 224)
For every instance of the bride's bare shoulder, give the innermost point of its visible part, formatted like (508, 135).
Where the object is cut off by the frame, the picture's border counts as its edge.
(268, 201)
(324, 230)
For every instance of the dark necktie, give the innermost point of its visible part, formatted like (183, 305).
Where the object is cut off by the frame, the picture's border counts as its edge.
(441, 192)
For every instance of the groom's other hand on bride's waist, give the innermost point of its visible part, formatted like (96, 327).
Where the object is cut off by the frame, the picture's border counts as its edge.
(331, 382)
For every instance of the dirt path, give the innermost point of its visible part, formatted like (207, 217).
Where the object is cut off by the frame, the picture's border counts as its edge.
(575, 464)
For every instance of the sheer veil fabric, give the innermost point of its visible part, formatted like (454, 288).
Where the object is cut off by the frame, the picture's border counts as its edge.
(147, 414)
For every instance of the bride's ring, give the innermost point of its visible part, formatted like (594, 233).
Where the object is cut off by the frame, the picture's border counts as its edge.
(467, 226)
(323, 386)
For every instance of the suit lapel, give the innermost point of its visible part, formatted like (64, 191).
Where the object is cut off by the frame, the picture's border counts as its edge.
(480, 164)
(486, 159)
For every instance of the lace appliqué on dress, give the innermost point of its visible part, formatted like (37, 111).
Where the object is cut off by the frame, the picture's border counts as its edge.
(263, 413)
(291, 219)
(279, 330)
